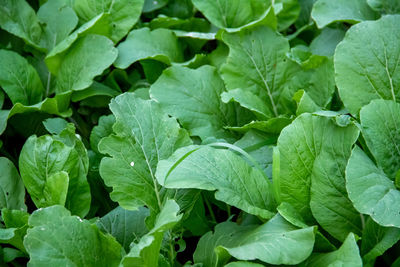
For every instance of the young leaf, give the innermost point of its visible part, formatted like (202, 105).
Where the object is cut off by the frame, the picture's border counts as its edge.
(52, 166)
(12, 191)
(59, 239)
(147, 251)
(366, 63)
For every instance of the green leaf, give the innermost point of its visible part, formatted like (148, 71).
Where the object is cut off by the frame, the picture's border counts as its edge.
(347, 255)
(376, 240)
(19, 79)
(16, 222)
(58, 20)
(86, 59)
(379, 125)
(248, 100)
(59, 239)
(159, 44)
(232, 14)
(288, 14)
(123, 14)
(55, 125)
(126, 226)
(325, 43)
(12, 191)
(193, 97)
(47, 162)
(325, 12)
(145, 135)
(98, 25)
(313, 154)
(236, 182)
(18, 18)
(371, 191)
(58, 105)
(275, 242)
(147, 251)
(259, 68)
(366, 63)
(385, 6)
(103, 129)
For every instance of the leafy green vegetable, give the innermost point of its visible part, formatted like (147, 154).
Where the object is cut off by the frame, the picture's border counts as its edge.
(56, 237)
(275, 242)
(199, 133)
(312, 172)
(369, 72)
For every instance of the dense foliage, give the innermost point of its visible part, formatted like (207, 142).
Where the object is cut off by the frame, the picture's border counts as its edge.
(199, 133)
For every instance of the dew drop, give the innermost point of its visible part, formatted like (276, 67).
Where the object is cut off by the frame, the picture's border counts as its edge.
(132, 163)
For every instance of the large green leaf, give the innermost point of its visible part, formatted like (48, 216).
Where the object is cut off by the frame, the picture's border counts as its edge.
(125, 225)
(380, 121)
(123, 13)
(18, 18)
(87, 58)
(313, 155)
(12, 191)
(372, 188)
(232, 13)
(54, 170)
(275, 242)
(257, 63)
(145, 135)
(325, 12)
(58, 20)
(385, 6)
(236, 182)
(159, 44)
(347, 255)
(146, 252)
(366, 63)
(371, 191)
(376, 240)
(59, 239)
(19, 79)
(193, 97)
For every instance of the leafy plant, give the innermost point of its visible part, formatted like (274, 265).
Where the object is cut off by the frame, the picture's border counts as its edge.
(199, 133)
